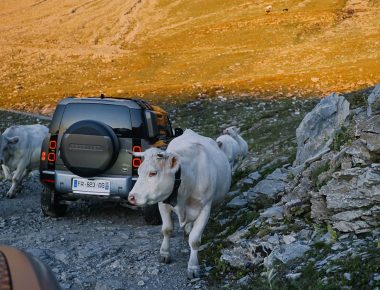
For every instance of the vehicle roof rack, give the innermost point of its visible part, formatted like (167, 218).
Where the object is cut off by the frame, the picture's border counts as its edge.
(143, 104)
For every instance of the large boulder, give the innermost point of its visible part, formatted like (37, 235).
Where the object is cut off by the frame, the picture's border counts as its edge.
(316, 132)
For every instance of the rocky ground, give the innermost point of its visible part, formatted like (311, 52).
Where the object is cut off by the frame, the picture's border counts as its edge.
(312, 223)
(95, 246)
(266, 235)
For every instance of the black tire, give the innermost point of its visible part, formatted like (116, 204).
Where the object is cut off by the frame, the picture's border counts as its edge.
(50, 204)
(152, 215)
(89, 148)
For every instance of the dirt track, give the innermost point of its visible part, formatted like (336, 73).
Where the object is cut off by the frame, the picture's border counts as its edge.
(95, 246)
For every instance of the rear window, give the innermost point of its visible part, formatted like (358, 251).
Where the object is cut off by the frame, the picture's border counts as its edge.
(117, 117)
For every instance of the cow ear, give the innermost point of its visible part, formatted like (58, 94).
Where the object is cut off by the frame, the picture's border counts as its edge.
(173, 162)
(13, 140)
(237, 130)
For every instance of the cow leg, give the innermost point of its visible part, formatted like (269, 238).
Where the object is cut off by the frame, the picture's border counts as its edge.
(193, 269)
(16, 179)
(188, 228)
(25, 174)
(167, 229)
(7, 172)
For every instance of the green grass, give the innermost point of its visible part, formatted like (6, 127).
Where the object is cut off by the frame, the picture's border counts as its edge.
(360, 267)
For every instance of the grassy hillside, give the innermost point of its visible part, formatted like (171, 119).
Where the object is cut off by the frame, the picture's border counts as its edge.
(161, 48)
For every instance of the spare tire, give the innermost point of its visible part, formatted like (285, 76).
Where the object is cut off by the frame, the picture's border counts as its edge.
(89, 148)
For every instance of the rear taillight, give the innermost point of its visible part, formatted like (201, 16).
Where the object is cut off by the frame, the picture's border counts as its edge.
(52, 152)
(53, 144)
(43, 156)
(45, 180)
(136, 161)
(136, 149)
(51, 157)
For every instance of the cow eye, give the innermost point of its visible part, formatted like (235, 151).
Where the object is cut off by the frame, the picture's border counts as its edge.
(152, 173)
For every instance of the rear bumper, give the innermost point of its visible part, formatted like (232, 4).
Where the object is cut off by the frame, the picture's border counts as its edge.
(61, 182)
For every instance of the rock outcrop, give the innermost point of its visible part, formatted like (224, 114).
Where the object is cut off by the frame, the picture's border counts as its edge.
(336, 175)
(316, 131)
(342, 186)
(350, 200)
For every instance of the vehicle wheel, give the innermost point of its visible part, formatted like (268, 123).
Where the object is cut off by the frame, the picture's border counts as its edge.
(50, 204)
(152, 214)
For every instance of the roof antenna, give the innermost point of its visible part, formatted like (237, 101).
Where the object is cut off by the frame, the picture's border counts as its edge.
(102, 96)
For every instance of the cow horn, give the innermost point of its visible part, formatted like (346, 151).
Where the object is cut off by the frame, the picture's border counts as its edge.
(160, 156)
(136, 154)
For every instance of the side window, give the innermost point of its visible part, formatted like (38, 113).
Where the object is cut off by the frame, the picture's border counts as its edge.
(56, 121)
(165, 127)
(138, 126)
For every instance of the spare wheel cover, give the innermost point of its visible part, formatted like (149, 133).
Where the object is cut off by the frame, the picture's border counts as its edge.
(89, 148)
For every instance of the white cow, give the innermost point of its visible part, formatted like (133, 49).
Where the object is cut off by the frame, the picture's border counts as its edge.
(231, 148)
(234, 133)
(188, 178)
(20, 149)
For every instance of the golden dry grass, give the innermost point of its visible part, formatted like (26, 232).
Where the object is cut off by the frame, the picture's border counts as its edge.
(176, 49)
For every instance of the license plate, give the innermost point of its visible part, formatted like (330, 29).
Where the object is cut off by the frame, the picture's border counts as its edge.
(87, 186)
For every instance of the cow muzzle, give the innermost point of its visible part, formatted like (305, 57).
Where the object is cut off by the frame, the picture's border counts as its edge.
(132, 199)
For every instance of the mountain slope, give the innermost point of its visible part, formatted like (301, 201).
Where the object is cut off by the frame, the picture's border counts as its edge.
(52, 48)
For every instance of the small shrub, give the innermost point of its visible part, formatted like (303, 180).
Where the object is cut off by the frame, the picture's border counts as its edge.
(343, 136)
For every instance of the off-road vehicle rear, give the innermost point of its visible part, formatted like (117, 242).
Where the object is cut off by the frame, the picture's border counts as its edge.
(87, 152)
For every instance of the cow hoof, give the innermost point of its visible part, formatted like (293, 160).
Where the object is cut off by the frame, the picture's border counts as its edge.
(10, 195)
(193, 272)
(165, 259)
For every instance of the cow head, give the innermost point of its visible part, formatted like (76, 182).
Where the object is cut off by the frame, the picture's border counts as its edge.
(232, 131)
(156, 177)
(6, 143)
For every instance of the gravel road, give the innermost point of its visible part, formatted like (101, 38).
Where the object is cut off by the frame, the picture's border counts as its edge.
(96, 246)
